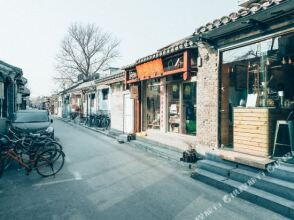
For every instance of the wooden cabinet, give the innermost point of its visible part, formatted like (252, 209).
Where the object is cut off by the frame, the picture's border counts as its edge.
(254, 129)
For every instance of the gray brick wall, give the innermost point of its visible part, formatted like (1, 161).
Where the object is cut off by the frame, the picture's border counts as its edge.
(207, 98)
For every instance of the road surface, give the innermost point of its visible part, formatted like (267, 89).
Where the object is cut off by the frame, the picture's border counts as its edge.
(106, 180)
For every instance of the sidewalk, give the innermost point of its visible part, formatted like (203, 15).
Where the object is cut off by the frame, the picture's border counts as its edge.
(164, 151)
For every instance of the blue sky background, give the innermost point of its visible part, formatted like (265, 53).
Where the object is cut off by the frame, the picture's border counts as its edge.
(31, 30)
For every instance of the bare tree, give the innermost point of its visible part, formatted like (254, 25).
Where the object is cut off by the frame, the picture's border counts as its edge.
(85, 50)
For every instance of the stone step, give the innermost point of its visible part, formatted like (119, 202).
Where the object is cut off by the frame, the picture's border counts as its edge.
(283, 171)
(243, 173)
(257, 196)
(217, 158)
(220, 168)
(267, 183)
(159, 151)
(289, 165)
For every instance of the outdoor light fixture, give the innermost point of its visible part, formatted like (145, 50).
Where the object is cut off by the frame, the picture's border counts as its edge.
(283, 60)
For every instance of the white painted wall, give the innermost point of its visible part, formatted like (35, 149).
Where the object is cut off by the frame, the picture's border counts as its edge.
(128, 113)
(116, 106)
(104, 104)
(60, 106)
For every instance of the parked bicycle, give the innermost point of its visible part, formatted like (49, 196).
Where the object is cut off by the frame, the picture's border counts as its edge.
(96, 120)
(103, 121)
(89, 120)
(47, 162)
(31, 141)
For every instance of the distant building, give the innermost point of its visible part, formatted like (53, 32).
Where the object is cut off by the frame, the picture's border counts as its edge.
(13, 93)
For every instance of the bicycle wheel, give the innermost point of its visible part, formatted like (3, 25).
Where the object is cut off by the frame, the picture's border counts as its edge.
(107, 122)
(52, 145)
(104, 123)
(49, 162)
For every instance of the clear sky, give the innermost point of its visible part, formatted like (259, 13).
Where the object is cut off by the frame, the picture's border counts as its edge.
(31, 30)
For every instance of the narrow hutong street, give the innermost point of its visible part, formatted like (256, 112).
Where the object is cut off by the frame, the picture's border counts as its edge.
(103, 179)
(147, 110)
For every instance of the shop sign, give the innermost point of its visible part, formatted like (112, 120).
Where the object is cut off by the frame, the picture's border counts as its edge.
(150, 69)
(134, 92)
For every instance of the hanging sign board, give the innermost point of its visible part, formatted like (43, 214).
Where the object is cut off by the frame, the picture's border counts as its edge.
(134, 92)
(149, 69)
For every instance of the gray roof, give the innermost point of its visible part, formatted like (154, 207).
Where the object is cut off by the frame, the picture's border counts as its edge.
(7, 68)
(118, 77)
(180, 45)
(234, 16)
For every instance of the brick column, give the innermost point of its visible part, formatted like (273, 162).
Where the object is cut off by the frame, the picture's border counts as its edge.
(207, 97)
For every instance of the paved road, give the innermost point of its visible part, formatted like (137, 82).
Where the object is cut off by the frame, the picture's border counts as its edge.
(106, 180)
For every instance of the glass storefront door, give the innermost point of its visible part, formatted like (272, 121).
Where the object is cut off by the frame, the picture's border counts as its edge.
(189, 108)
(181, 101)
(174, 113)
(153, 104)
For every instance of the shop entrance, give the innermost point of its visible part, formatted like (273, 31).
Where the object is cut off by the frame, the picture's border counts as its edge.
(189, 107)
(174, 107)
(181, 101)
(256, 90)
(152, 113)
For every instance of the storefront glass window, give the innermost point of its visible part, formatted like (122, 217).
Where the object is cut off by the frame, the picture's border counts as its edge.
(153, 104)
(256, 75)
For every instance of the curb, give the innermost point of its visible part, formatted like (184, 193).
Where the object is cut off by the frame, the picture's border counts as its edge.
(68, 121)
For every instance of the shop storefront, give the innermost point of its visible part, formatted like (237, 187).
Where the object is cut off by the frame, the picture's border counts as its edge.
(167, 99)
(169, 105)
(258, 91)
(246, 81)
(181, 107)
